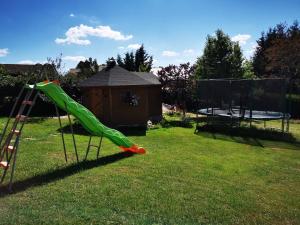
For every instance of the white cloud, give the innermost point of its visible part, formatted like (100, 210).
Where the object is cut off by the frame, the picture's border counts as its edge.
(134, 46)
(241, 38)
(188, 52)
(170, 53)
(155, 70)
(72, 15)
(121, 47)
(249, 52)
(155, 61)
(4, 52)
(79, 34)
(74, 58)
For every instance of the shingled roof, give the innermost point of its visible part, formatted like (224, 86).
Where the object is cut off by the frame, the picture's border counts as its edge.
(117, 76)
(18, 69)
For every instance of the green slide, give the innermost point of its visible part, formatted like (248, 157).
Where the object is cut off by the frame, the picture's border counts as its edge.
(87, 119)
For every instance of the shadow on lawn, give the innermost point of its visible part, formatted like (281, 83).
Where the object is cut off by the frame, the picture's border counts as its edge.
(127, 131)
(61, 173)
(252, 136)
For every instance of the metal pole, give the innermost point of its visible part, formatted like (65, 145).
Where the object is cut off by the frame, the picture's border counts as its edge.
(98, 150)
(71, 126)
(88, 148)
(13, 166)
(62, 132)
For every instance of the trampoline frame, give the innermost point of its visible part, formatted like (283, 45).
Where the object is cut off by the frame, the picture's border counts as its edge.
(239, 113)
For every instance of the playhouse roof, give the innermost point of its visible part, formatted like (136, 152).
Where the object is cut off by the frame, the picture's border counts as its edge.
(117, 76)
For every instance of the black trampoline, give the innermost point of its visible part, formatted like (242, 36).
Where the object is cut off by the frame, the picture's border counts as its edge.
(232, 101)
(244, 114)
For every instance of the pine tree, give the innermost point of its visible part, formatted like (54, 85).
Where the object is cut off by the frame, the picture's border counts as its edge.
(120, 61)
(222, 58)
(140, 61)
(277, 53)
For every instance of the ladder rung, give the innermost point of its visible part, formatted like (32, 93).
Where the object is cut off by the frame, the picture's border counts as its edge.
(16, 132)
(27, 102)
(9, 148)
(96, 146)
(21, 118)
(4, 164)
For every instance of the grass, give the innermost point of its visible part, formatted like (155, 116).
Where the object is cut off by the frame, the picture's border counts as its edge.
(185, 178)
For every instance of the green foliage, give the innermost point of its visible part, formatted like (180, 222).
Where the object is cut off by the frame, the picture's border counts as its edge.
(110, 63)
(277, 53)
(39, 73)
(143, 62)
(222, 58)
(87, 68)
(140, 61)
(177, 84)
(248, 70)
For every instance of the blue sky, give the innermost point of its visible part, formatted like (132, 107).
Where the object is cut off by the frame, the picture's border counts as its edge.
(173, 31)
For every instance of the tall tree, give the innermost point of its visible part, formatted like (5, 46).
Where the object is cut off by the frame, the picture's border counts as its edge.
(143, 62)
(140, 61)
(278, 52)
(222, 58)
(110, 63)
(87, 68)
(177, 84)
(120, 61)
(248, 70)
(129, 61)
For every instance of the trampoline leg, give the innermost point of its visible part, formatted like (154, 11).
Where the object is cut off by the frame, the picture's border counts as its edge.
(264, 124)
(282, 125)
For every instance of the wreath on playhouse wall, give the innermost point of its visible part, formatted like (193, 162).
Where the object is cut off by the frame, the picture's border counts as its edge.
(131, 99)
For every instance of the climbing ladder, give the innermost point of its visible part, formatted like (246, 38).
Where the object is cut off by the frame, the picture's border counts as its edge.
(96, 146)
(9, 148)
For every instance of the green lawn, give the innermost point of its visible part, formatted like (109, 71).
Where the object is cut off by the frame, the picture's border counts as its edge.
(184, 178)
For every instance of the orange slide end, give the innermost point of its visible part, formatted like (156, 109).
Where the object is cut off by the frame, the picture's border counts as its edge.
(134, 149)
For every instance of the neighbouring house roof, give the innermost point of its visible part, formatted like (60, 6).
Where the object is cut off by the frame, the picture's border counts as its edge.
(18, 69)
(117, 76)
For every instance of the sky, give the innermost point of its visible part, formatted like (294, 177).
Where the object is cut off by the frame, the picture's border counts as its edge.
(173, 31)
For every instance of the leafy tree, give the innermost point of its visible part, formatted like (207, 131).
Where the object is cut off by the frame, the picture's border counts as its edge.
(87, 68)
(129, 62)
(120, 61)
(143, 62)
(110, 63)
(222, 58)
(177, 84)
(278, 52)
(248, 70)
(140, 61)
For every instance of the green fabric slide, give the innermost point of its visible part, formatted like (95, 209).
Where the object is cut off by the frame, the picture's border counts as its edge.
(86, 118)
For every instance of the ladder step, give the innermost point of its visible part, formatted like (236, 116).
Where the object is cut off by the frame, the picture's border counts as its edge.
(16, 132)
(21, 118)
(96, 146)
(4, 164)
(27, 102)
(10, 148)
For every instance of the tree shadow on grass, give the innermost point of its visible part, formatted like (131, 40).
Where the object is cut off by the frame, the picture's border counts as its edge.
(185, 123)
(62, 173)
(252, 136)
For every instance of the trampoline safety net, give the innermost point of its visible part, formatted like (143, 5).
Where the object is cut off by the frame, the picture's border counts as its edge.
(263, 99)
